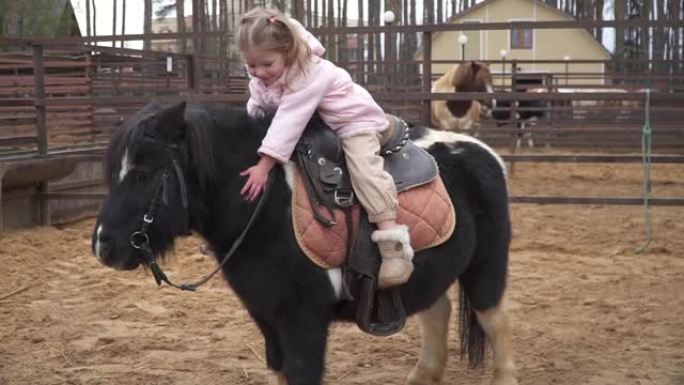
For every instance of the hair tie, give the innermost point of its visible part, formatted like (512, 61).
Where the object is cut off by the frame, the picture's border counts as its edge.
(271, 19)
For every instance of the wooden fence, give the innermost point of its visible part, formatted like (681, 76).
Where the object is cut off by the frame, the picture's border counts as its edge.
(61, 98)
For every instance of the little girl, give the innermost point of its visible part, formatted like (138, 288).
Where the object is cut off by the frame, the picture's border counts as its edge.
(287, 71)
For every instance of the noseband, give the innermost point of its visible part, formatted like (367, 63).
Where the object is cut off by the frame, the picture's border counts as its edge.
(140, 240)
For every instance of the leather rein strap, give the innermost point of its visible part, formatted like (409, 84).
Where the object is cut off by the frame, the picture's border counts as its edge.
(141, 240)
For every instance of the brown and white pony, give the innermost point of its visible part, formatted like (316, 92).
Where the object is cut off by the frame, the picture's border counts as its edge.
(462, 114)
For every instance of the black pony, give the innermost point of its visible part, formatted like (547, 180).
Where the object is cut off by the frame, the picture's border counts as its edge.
(175, 170)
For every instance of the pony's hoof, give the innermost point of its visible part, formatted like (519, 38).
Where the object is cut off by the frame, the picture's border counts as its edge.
(421, 376)
(505, 380)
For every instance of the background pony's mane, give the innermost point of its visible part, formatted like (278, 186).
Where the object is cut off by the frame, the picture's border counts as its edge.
(463, 75)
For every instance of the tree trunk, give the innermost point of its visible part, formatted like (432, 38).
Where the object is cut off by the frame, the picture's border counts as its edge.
(94, 20)
(675, 14)
(439, 12)
(214, 15)
(123, 21)
(371, 41)
(315, 14)
(620, 9)
(223, 27)
(331, 13)
(646, 14)
(114, 22)
(180, 24)
(598, 11)
(12, 19)
(298, 10)
(88, 33)
(147, 25)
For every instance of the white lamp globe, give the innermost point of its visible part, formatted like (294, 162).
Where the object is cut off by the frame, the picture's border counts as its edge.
(503, 53)
(566, 57)
(462, 39)
(389, 17)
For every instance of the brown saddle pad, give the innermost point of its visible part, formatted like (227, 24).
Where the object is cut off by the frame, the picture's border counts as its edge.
(425, 209)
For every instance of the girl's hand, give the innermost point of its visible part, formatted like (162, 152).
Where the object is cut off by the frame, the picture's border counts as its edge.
(257, 176)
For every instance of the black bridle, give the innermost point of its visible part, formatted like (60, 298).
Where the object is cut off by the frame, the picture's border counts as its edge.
(140, 239)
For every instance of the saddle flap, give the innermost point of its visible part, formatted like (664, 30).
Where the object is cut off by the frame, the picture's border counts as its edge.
(408, 164)
(411, 166)
(329, 172)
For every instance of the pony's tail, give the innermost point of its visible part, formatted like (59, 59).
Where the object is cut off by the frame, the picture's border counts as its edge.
(471, 334)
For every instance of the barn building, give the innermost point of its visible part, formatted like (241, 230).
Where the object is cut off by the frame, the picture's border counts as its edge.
(526, 44)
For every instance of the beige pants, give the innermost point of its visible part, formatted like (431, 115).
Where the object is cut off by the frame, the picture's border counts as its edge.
(373, 186)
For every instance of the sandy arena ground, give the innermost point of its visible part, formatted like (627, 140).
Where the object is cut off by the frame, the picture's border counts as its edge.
(586, 309)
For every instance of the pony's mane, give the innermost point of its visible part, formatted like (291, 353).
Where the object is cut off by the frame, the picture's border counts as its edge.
(198, 139)
(126, 137)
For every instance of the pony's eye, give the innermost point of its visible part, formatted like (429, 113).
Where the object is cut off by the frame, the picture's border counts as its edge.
(142, 175)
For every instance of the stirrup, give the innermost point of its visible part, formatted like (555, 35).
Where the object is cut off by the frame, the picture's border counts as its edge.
(380, 313)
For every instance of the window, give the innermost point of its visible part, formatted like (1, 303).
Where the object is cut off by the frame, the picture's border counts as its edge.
(521, 39)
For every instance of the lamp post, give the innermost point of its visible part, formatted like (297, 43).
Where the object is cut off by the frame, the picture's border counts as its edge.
(503, 54)
(567, 59)
(388, 17)
(462, 40)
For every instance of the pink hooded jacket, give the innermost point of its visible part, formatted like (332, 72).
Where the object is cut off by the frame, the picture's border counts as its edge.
(345, 106)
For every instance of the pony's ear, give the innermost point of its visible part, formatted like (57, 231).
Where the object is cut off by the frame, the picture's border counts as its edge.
(171, 121)
(474, 66)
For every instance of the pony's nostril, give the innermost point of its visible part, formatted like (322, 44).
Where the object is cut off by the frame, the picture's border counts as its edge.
(104, 238)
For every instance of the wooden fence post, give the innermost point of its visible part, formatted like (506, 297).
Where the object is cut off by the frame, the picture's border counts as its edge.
(39, 99)
(427, 64)
(41, 129)
(190, 71)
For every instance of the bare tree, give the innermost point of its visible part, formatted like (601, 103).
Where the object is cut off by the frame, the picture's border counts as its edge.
(675, 12)
(298, 10)
(147, 25)
(620, 9)
(88, 33)
(94, 19)
(646, 14)
(12, 19)
(114, 22)
(123, 21)
(180, 24)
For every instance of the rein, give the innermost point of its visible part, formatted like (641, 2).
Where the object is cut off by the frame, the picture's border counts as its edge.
(140, 240)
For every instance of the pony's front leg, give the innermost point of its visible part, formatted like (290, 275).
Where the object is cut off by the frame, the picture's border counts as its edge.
(274, 354)
(496, 326)
(435, 328)
(303, 334)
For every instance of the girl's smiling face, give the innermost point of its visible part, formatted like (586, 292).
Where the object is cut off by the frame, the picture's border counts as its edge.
(267, 66)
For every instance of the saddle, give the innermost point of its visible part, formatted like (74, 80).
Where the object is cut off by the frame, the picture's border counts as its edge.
(321, 160)
(329, 203)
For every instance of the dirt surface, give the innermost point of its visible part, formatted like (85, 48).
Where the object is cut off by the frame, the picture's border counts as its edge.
(586, 309)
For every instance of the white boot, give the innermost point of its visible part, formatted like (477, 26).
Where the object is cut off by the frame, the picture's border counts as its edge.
(396, 252)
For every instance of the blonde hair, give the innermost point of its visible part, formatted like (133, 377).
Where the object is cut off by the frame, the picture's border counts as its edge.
(268, 29)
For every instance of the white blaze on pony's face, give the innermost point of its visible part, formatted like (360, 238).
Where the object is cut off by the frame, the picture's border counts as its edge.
(125, 166)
